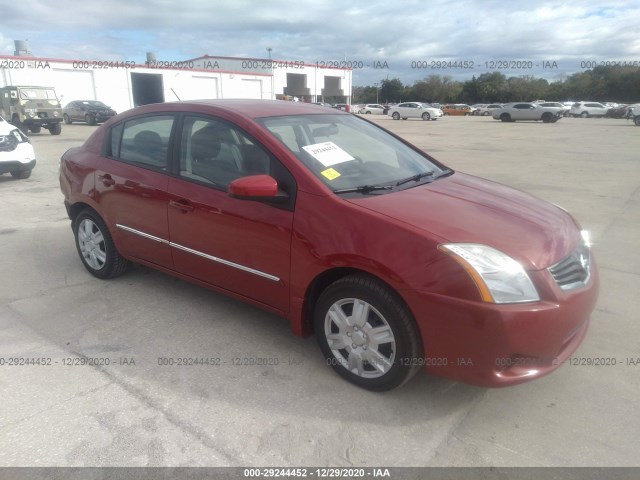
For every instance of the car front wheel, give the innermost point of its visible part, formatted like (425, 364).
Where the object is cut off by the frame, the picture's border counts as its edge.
(66, 119)
(426, 116)
(636, 120)
(95, 246)
(367, 334)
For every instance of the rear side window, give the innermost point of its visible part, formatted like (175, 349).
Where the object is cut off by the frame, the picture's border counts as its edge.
(143, 141)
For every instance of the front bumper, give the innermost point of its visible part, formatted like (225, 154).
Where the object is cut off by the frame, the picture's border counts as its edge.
(495, 345)
(16, 166)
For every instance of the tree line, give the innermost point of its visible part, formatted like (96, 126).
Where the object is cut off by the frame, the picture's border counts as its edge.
(603, 83)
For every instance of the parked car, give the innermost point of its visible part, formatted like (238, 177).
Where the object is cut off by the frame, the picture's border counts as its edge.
(91, 112)
(458, 109)
(561, 108)
(395, 261)
(487, 109)
(475, 108)
(588, 109)
(512, 112)
(618, 112)
(414, 110)
(16, 152)
(372, 108)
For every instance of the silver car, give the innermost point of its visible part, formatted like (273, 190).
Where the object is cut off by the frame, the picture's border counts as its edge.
(414, 110)
(512, 112)
(372, 108)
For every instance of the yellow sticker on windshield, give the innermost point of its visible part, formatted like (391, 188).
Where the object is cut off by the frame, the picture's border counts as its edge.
(330, 173)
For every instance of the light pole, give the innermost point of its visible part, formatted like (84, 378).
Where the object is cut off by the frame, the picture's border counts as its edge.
(376, 85)
(272, 95)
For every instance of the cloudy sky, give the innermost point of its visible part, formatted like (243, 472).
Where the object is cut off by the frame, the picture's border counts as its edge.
(404, 36)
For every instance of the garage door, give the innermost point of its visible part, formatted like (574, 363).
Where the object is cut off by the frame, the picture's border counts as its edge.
(74, 85)
(252, 89)
(200, 88)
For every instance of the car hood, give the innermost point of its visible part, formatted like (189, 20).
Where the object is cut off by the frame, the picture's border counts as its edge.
(466, 209)
(6, 128)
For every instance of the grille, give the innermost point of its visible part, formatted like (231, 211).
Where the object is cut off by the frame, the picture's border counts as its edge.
(574, 270)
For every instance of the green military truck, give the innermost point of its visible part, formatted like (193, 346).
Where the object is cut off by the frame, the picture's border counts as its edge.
(31, 108)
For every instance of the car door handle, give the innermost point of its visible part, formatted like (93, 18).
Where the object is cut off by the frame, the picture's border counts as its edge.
(182, 205)
(106, 180)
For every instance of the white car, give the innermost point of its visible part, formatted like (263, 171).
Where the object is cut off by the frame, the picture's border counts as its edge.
(16, 153)
(588, 109)
(561, 108)
(512, 112)
(414, 110)
(487, 109)
(372, 108)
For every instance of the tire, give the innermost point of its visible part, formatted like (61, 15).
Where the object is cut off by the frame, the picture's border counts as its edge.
(90, 120)
(66, 119)
(584, 115)
(445, 114)
(35, 128)
(368, 113)
(547, 117)
(466, 114)
(378, 364)
(484, 114)
(55, 129)
(404, 118)
(426, 116)
(95, 246)
(395, 116)
(636, 120)
(505, 117)
(21, 174)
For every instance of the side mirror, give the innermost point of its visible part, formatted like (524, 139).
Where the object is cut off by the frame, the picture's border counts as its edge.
(260, 188)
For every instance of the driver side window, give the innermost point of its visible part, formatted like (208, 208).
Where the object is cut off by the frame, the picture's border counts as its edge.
(212, 151)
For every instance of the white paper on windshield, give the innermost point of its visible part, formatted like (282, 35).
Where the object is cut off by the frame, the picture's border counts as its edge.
(327, 153)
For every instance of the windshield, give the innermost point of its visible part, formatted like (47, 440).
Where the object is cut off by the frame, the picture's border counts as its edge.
(346, 152)
(94, 103)
(37, 94)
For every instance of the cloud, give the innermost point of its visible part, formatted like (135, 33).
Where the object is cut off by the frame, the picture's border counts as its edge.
(317, 30)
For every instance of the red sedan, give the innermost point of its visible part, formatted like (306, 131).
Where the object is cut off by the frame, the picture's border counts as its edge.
(396, 262)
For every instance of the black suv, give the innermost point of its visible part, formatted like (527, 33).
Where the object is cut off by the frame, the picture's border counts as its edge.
(90, 111)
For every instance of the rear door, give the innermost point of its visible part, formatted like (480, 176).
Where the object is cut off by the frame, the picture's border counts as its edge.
(131, 187)
(241, 246)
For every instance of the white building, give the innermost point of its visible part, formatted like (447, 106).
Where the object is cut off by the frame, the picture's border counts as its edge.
(124, 85)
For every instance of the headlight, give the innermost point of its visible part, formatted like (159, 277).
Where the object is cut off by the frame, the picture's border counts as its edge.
(56, 113)
(499, 278)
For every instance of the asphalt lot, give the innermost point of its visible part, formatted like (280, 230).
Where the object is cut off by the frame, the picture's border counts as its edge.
(299, 412)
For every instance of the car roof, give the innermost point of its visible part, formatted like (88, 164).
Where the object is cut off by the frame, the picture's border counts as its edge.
(245, 107)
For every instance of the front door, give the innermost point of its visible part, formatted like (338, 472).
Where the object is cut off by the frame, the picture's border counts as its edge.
(239, 245)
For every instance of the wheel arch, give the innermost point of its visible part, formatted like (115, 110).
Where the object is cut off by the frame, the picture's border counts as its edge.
(303, 324)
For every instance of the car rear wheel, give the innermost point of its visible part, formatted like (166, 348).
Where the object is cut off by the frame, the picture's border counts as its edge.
(584, 114)
(484, 114)
(66, 119)
(636, 120)
(426, 116)
(395, 116)
(21, 174)
(367, 334)
(505, 117)
(95, 246)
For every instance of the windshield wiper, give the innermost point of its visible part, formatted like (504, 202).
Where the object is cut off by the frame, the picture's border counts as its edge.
(363, 188)
(414, 178)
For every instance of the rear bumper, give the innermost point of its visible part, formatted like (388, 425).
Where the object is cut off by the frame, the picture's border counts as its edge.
(500, 345)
